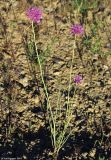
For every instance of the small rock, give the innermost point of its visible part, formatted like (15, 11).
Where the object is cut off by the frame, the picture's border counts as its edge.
(92, 153)
(24, 81)
(105, 67)
(85, 155)
(109, 81)
(57, 73)
(35, 100)
(21, 109)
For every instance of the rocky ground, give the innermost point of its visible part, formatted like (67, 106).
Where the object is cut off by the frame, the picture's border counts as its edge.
(23, 129)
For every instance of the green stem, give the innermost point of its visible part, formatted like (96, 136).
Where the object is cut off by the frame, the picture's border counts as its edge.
(71, 68)
(51, 119)
(41, 72)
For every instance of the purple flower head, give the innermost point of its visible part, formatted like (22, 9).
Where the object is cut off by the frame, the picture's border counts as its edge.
(34, 14)
(77, 79)
(77, 29)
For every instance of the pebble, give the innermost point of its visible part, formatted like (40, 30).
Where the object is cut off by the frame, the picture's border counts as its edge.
(21, 108)
(109, 81)
(24, 81)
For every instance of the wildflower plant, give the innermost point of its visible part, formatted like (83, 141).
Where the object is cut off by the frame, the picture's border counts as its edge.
(78, 79)
(64, 118)
(34, 14)
(65, 133)
(58, 136)
(61, 136)
(77, 29)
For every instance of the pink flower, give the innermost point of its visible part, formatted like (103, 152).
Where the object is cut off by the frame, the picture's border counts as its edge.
(77, 29)
(77, 79)
(34, 14)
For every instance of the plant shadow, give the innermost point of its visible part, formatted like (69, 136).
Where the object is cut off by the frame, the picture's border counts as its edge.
(26, 145)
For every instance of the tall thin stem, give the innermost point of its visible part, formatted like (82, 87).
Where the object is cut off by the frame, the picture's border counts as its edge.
(51, 119)
(71, 68)
(41, 72)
